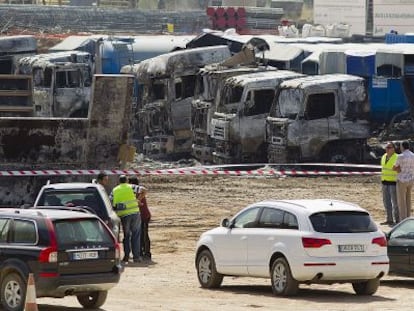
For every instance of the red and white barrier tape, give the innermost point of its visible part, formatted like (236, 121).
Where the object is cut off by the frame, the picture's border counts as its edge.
(258, 172)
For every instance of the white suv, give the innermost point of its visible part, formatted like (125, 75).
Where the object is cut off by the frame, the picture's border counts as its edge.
(296, 241)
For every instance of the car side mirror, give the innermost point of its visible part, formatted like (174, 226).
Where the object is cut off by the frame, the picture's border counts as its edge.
(225, 223)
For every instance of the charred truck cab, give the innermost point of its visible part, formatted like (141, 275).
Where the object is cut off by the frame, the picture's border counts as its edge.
(319, 118)
(61, 82)
(166, 85)
(209, 83)
(238, 124)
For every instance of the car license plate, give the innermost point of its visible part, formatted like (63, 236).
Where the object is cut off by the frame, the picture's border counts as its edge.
(349, 248)
(85, 255)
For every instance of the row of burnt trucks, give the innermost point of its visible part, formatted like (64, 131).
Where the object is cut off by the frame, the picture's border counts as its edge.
(230, 109)
(219, 108)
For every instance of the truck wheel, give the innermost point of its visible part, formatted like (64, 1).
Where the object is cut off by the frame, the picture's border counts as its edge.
(340, 155)
(93, 300)
(13, 292)
(283, 283)
(206, 270)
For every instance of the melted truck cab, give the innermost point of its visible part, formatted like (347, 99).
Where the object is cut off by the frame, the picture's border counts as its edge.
(166, 85)
(319, 118)
(238, 124)
(209, 83)
(61, 83)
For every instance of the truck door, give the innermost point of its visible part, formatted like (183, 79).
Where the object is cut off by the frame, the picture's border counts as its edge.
(42, 91)
(252, 124)
(319, 124)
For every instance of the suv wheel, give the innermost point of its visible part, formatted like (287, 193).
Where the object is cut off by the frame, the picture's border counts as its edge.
(13, 292)
(366, 288)
(206, 270)
(283, 283)
(93, 300)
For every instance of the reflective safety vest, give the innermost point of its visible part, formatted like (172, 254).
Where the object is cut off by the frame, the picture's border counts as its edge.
(124, 196)
(387, 173)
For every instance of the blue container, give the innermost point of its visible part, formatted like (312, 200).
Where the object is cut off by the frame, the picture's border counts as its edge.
(360, 63)
(115, 55)
(387, 98)
(391, 38)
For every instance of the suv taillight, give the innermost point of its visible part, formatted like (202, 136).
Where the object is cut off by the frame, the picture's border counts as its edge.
(48, 254)
(381, 241)
(117, 251)
(314, 242)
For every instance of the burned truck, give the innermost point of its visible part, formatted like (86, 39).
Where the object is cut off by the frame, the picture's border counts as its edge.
(35, 143)
(12, 49)
(15, 90)
(166, 85)
(61, 83)
(238, 124)
(319, 118)
(210, 80)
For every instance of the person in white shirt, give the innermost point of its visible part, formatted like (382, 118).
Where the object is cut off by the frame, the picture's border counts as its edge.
(405, 179)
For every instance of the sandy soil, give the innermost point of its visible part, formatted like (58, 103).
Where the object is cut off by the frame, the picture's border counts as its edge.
(183, 207)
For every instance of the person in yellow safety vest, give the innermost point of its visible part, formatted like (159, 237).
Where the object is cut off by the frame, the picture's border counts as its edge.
(126, 207)
(389, 182)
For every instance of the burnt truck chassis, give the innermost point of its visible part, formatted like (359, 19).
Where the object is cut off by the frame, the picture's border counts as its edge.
(65, 143)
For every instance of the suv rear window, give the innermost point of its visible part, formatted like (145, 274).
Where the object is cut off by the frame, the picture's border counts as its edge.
(342, 222)
(74, 197)
(87, 232)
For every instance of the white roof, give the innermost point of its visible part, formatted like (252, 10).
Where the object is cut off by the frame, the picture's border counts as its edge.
(272, 76)
(319, 80)
(71, 185)
(169, 63)
(311, 206)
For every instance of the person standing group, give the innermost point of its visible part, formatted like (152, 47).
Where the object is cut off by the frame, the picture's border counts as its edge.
(389, 185)
(141, 193)
(127, 208)
(404, 166)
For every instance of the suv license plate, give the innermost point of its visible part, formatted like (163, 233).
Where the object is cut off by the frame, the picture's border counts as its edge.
(85, 255)
(349, 248)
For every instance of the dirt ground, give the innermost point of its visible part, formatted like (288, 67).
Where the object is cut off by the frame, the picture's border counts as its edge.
(183, 207)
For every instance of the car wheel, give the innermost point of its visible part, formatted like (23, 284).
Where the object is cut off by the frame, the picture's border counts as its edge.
(93, 300)
(366, 288)
(206, 270)
(13, 292)
(283, 284)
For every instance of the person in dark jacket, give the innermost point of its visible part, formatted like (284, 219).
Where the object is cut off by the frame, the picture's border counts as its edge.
(141, 193)
(146, 218)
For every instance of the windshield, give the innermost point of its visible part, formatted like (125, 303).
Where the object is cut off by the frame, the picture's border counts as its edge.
(75, 197)
(206, 87)
(230, 98)
(157, 89)
(68, 79)
(289, 103)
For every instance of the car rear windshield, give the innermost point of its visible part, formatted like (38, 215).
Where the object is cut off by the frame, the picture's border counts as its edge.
(74, 197)
(82, 233)
(342, 222)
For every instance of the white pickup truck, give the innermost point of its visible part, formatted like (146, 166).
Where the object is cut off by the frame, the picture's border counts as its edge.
(90, 196)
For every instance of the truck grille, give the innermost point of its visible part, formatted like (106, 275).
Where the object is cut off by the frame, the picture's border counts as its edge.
(218, 132)
(277, 154)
